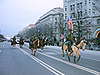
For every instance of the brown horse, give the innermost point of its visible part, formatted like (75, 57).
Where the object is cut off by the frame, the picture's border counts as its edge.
(13, 42)
(34, 46)
(42, 44)
(75, 49)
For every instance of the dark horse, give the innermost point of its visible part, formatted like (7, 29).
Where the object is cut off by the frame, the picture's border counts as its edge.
(13, 42)
(75, 48)
(42, 44)
(21, 42)
(34, 46)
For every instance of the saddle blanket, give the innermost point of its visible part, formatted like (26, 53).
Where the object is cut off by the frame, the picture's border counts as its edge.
(66, 43)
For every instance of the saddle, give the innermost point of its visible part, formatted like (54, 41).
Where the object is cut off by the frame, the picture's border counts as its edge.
(66, 43)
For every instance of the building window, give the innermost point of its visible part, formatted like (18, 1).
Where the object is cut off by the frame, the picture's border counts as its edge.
(78, 14)
(85, 13)
(89, 12)
(65, 17)
(56, 19)
(81, 13)
(71, 7)
(85, 4)
(98, 21)
(65, 9)
(74, 7)
(73, 15)
(89, 3)
(81, 5)
(81, 22)
(78, 6)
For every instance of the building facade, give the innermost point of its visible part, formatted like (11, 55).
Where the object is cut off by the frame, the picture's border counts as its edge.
(85, 16)
(51, 24)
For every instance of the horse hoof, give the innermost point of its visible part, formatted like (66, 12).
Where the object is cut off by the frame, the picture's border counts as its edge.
(77, 60)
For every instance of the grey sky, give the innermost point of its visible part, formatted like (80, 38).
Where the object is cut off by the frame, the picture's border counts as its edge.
(17, 14)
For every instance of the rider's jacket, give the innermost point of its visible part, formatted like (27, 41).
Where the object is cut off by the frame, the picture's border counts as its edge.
(32, 39)
(21, 39)
(40, 38)
(70, 37)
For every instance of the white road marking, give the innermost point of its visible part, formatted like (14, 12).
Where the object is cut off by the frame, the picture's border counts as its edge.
(90, 58)
(0, 50)
(50, 68)
(3, 45)
(71, 64)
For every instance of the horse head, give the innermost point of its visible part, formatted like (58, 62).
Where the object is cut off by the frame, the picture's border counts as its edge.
(83, 44)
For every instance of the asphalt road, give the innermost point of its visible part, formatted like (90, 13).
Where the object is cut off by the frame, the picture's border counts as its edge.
(19, 61)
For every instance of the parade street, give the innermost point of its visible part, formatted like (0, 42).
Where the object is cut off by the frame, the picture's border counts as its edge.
(19, 61)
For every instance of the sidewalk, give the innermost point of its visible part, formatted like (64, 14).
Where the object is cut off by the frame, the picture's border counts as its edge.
(57, 47)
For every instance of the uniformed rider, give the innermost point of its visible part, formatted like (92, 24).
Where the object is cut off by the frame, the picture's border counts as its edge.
(32, 39)
(70, 39)
(40, 38)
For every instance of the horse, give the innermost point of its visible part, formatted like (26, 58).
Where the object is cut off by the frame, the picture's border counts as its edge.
(13, 42)
(42, 44)
(34, 46)
(21, 43)
(75, 49)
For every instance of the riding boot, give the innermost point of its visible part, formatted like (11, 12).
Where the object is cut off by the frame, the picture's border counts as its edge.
(69, 46)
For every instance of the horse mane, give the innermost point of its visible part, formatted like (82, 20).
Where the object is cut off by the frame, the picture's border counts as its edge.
(78, 42)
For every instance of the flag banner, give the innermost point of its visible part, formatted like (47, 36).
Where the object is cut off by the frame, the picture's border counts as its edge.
(70, 23)
(87, 29)
(39, 30)
(62, 36)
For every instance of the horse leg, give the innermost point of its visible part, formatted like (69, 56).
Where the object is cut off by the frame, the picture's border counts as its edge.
(74, 57)
(41, 48)
(71, 53)
(68, 56)
(63, 54)
(35, 51)
(79, 56)
(32, 51)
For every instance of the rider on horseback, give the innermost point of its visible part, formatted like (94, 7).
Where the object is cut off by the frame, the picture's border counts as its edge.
(21, 42)
(32, 39)
(70, 39)
(40, 38)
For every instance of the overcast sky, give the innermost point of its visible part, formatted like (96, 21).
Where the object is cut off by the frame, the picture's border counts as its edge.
(17, 14)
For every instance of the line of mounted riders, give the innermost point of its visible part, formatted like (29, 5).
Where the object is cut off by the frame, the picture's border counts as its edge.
(71, 45)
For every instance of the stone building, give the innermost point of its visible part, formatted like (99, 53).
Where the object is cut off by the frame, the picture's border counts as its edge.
(85, 16)
(51, 23)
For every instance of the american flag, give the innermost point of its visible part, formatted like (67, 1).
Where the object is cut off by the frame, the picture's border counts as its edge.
(70, 23)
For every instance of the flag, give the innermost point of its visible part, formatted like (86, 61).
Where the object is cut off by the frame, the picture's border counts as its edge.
(39, 30)
(87, 29)
(70, 23)
(62, 36)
